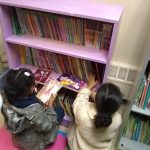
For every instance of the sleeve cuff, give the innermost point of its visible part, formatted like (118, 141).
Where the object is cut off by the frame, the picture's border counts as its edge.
(85, 91)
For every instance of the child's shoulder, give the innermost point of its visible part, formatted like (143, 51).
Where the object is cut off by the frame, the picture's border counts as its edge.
(116, 119)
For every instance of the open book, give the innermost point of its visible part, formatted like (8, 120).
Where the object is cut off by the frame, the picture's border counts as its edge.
(52, 86)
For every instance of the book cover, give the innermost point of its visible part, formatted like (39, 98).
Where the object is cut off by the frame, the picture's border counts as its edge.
(71, 82)
(52, 86)
(42, 75)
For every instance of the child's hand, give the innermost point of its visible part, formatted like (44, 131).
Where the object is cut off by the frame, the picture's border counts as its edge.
(91, 83)
(51, 100)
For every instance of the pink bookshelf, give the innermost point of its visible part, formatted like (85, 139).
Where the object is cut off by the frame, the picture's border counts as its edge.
(77, 8)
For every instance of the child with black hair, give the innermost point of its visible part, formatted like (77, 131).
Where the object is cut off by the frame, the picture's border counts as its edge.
(96, 124)
(33, 125)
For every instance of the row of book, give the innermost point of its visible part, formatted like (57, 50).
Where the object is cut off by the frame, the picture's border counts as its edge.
(142, 99)
(62, 28)
(138, 128)
(61, 63)
(65, 99)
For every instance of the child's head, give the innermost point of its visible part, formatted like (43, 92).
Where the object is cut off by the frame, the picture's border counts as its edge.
(108, 100)
(19, 83)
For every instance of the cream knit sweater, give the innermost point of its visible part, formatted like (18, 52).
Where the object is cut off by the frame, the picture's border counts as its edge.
(83, 135)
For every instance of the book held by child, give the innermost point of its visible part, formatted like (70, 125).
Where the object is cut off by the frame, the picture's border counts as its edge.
(52, 86)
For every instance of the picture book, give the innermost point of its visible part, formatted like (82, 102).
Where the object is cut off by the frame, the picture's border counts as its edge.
(52, 86)
(42, 75)
(71, 82)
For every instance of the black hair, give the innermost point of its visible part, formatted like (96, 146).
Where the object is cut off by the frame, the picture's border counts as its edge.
(18, 83)
(108, 100)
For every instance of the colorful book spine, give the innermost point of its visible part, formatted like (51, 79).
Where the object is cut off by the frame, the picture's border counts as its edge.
(69, 29)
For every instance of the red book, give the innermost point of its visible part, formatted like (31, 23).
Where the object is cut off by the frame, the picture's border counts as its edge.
(42, 75)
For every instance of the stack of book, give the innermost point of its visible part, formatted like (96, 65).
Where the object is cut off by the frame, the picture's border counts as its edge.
(68, 29)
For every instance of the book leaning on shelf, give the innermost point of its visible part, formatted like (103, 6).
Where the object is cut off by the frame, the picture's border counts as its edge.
(42, 75)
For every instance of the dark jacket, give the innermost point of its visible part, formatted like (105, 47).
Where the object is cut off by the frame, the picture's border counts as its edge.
(32, 127)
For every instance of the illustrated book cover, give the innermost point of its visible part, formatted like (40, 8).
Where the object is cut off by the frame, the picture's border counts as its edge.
(42, 75)
(52, 86)
(71, 82)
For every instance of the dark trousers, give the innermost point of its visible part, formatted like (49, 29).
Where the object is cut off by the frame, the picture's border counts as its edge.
(60, 113)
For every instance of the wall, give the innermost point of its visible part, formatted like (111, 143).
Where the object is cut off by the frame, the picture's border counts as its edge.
(133, 30)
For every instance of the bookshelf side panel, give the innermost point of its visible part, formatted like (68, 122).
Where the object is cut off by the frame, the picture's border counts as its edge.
(6, 25)
(111, 49)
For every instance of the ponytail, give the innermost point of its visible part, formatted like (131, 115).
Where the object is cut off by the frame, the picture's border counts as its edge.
(108, 100)
(103, 120)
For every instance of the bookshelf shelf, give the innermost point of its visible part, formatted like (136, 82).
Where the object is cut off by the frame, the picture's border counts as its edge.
(127, 144)
(90, 10)
(140, 111)
(83, 52)
(53, 75)
(34, 68)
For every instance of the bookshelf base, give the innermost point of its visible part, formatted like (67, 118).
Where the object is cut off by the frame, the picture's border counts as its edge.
(140, 110)
(127, 144)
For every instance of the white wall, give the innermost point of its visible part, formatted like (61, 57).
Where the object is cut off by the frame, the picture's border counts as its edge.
(133, 30)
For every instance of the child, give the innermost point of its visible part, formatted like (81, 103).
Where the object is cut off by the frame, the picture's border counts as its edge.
(33, 126)
(96, 124)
